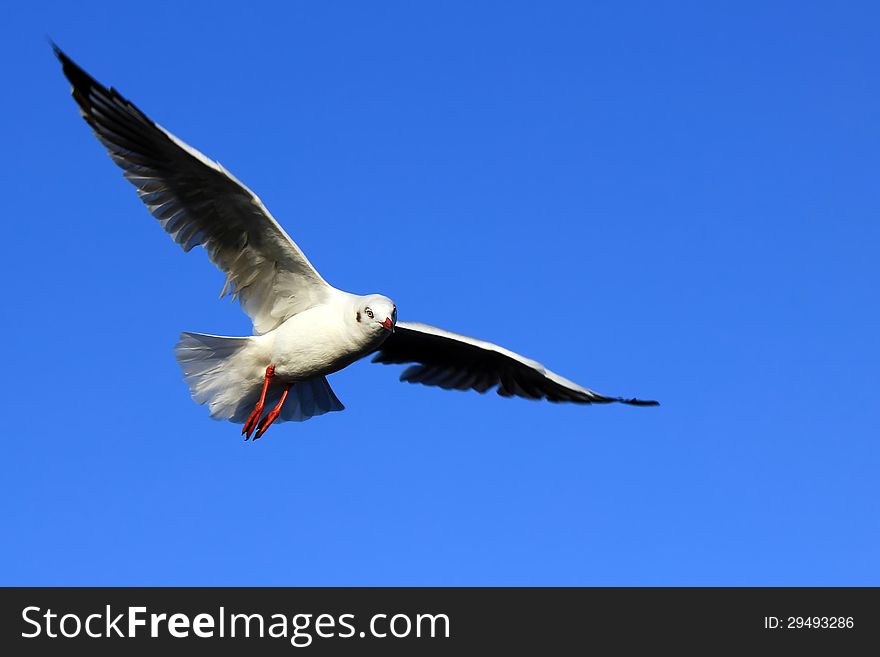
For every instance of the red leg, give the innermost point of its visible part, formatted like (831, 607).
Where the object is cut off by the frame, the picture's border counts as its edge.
(272, 415)
(258, 409)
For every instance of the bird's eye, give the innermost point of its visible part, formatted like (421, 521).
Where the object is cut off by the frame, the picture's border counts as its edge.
(369, 313)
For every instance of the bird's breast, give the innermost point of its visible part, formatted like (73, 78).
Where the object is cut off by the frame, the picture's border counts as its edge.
(309, 345)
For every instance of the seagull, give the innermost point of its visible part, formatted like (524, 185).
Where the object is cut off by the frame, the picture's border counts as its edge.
(304, 328)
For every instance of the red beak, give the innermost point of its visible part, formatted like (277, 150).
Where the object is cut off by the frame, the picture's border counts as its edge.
(387, 325)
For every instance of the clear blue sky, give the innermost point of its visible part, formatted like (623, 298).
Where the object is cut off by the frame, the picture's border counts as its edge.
(675, 201)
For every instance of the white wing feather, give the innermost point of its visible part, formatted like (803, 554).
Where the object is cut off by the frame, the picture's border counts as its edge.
(198, 202)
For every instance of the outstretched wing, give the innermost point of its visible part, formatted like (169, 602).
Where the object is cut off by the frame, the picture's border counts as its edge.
(454, 361)
(198, 202)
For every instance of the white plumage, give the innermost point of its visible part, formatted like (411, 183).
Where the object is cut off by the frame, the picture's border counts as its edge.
(304, 329)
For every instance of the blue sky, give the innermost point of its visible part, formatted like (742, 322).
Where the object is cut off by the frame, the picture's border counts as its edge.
(675, 201)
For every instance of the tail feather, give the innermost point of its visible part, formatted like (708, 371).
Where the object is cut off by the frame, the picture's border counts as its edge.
(305, 400)
(214, 370)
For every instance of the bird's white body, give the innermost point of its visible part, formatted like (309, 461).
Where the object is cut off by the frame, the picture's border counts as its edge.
(227, 373)
(318, 341)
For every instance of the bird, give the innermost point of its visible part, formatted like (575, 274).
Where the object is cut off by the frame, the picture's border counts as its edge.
(304, 329)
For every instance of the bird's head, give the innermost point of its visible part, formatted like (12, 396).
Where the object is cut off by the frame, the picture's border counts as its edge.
(376, 314)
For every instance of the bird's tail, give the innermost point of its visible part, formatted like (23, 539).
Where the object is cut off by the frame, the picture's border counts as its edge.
(214, 368)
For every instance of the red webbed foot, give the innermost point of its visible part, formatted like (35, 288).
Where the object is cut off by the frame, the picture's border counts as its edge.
(251, 423)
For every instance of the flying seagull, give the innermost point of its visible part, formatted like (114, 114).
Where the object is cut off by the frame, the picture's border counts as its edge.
(304, 328)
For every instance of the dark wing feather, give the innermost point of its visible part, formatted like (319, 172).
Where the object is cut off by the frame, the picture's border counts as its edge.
(454, 361)
(198, 202)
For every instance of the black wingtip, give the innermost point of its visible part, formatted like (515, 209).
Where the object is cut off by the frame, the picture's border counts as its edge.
(639, 402)
(71, 71)
(57, 50)
(81, 82)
